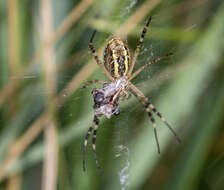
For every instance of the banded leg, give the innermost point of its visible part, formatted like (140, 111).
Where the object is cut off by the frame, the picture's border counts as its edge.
(85, 146)
(137, 93)
(96, 124)
(153, 125)
(97, 58)
(93, 82)
(152, 107)
(149, 106)
(139, 46)
(147, 64)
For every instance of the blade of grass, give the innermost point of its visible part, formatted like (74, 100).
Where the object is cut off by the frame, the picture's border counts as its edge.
(50, 165)
(76, 13)
(187, 86)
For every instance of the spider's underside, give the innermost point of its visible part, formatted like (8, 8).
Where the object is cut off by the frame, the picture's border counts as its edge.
(118, 67)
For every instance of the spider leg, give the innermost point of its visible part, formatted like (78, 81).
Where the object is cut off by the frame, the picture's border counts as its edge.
(139, 46)
(152, 107)
(154, 127)
(149, 106)
(137, 93)
(125, 96)
(96, 124)
(149, 63)
(85, 146)
(93, 82)
(97, 58)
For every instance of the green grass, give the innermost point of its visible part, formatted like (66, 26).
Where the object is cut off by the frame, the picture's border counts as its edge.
(38, 111)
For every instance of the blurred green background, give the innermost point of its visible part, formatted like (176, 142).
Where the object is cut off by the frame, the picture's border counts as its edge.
(44, 113)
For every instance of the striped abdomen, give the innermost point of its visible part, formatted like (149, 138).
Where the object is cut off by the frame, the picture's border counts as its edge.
(116, 57)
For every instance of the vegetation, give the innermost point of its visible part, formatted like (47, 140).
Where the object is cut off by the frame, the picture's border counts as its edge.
(45, 114)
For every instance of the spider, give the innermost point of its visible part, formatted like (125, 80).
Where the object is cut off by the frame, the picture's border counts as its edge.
(118, 67)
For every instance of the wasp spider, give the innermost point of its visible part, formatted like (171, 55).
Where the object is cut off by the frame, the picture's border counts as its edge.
(118, 67)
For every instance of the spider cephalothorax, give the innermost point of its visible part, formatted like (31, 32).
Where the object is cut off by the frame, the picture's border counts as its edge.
(118, 67)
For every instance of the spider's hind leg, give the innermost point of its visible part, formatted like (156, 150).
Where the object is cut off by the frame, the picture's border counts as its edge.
(137, 50)
(97, 58)
(148, 64)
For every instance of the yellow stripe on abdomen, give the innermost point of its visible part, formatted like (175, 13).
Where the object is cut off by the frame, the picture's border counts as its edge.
(116, 57)
(116, 65)
(126, 61)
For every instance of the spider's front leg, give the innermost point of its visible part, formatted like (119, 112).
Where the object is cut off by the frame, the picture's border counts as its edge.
(93, 128)
(137, 93)
(148, 106)
(85, 146)
(96, 124)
